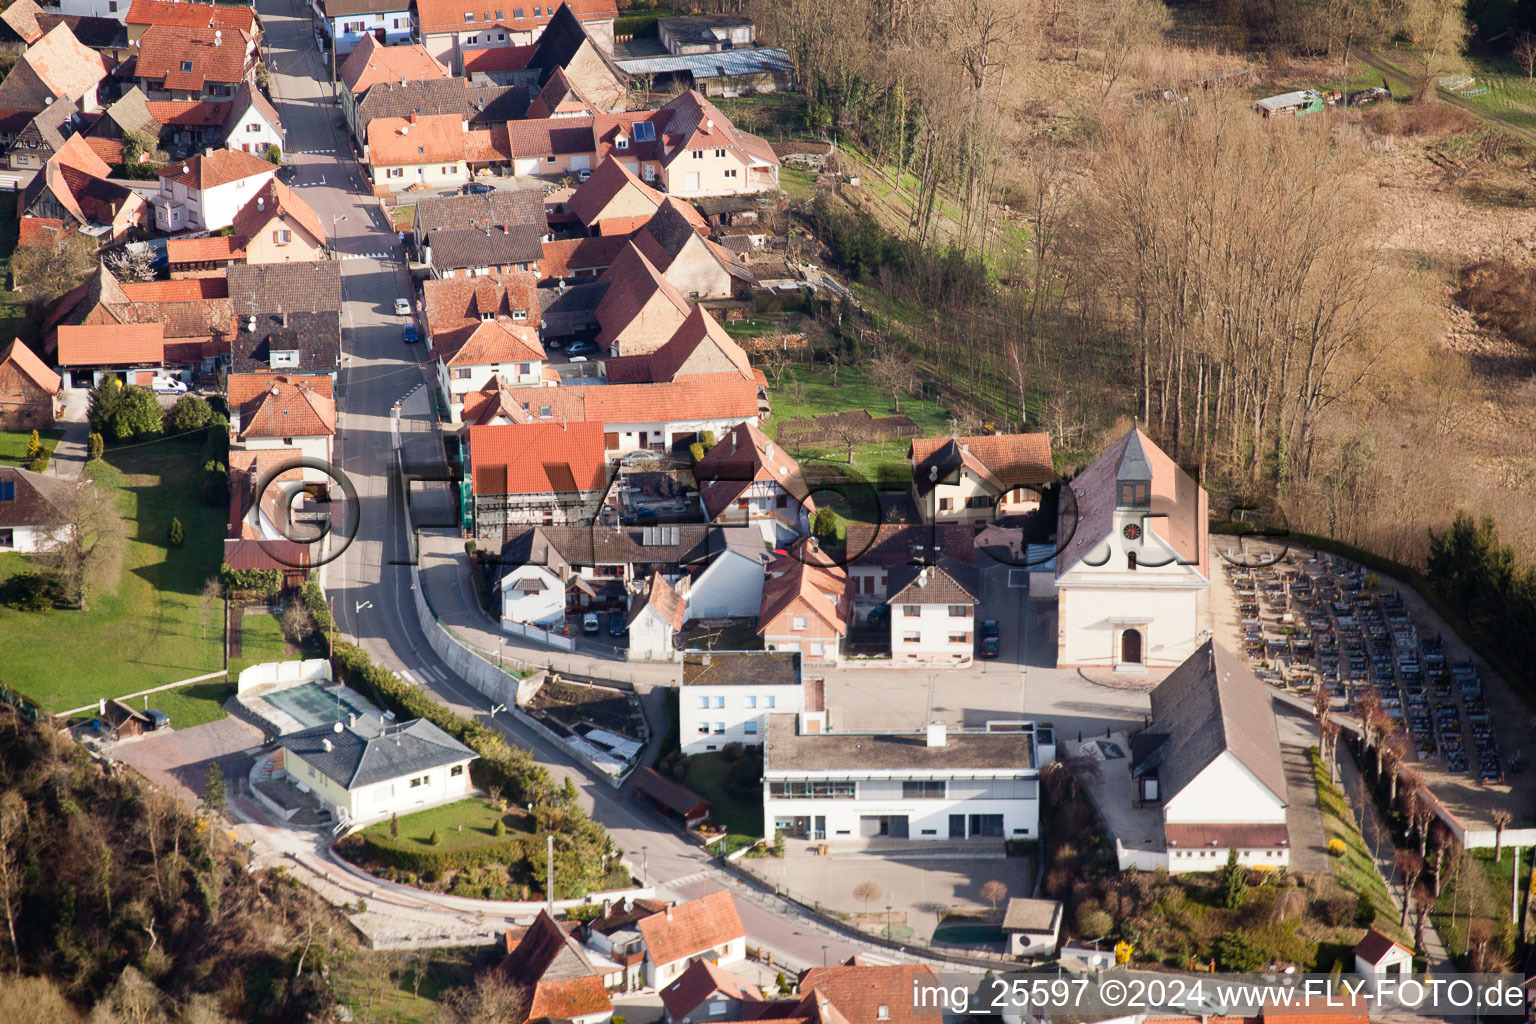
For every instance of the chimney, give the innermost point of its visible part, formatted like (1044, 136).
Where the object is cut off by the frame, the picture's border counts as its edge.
(285, 319)
(769, 449)
(413, 119)
(606, 905)
(965, 446)
(326, 745)
(207, 152)
(670, 905)
(937, 734)
(352, 720)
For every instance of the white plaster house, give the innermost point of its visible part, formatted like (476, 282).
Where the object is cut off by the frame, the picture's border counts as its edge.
(1378, 957)
(707, 928)
(32, 510)
(534, 595)
(727, 696)
(1210, 759)
(252, 124)
(933, 612)
(747, 479)
(347, 22)
(977, 479)
(655, 616)
(730, 584)
(1033, 927)
(843, 787)
(369, 771)
(295, 413)
(205, 192)
(1133, 583)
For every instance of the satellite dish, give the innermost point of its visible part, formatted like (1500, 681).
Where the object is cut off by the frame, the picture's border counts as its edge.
(337, 728)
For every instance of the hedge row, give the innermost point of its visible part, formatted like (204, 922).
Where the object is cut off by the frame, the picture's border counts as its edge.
(252, 582)
(431, 862)
(1421, 584)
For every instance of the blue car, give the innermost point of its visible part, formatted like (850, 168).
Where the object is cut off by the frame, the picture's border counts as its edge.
(475, 188)
(410, 333)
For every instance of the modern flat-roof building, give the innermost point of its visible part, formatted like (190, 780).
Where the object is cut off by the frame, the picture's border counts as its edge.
(942, 784)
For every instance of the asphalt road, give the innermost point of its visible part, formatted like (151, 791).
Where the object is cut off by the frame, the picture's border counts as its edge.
(372, 599)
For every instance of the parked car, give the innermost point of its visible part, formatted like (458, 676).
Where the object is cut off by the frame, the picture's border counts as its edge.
(410, 333)
(989, 647)
(476, 188)
(584, 175)
(617, 627)
(589, 622)
(582, 348)
(989, 628)
(579, 359)
(158, 719)
(165, 384)
(403, 307)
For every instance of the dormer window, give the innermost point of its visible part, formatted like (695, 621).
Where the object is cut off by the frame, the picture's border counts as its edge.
(487, 317)
(283, 358)
(519, 314)
(621, 143)
(186, 65)
(469, 17)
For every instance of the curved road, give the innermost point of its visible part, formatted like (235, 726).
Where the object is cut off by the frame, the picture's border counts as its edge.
(372, 597)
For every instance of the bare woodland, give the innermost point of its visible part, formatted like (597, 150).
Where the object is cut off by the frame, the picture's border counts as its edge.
(1272, 299)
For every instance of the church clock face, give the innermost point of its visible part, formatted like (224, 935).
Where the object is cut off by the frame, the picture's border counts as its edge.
(1132, 531)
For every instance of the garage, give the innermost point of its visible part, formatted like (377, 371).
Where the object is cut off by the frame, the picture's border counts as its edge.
(526, 165)
(582, 162)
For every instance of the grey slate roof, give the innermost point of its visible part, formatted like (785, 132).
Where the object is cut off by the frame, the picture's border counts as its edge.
(1032, 916)
(50, 127)
(493, 247)
(853, 752)
(1210, 704)
(315, 336)
(1133, 461)
(949, 582)
(285, 287)
(24, 90)
(740, 668)
(558, 546)
(442, 213)
(484, 106)
(720, 64)
(572, 311)
(355, 760)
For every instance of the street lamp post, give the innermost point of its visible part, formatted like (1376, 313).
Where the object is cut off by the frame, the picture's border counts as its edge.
(823, 954)
(645, 861)
(888, 920)
(336, 218)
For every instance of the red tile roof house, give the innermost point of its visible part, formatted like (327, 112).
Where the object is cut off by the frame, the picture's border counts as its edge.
(451, 28)
(977, 479)
(483, 329)
(419, 152)
(806, 608)
(270, 411)
(655, 616)
(706, 929)
(747, 479)
(178, 62)
(202, 257)
(276, 226)
(706, 155)
(641, 309)
(28, 389)
(554, 976)
(371, 62)
(133, 353)
(933, 612)
(231, 19)
(531, 473)
(205, 192)
(615, 202)
(56, 68)
(73, 189)
(706, 992)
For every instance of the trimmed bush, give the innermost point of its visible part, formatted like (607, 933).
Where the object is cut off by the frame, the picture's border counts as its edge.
(255, 582)
(95, 445)
(39, 464)
(176, 536)
(696, 452)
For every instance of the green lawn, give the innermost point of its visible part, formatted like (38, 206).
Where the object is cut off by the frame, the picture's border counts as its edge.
(477, 816)
(13, 445)
(261, 639)
(381, 985)
(148, 632)
(798, 183)
(1481, 891)
(1356, 870)
(706, 777)
(403, 216)
(807, 391)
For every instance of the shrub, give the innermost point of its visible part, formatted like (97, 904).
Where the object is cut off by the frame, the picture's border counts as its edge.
(215, 484)
(1336, 847)
(135, 416)
(1092, 922)
(95, 445)
(1502, 296)
(707, 439)
(436, 840)
(319, 612)
(1236, 952)
(255, 582)
(274, 154)
(34, 447)
(730, 752)
(499, 829)
(39, 464)
(394, 826)
(1336, 908)
(176, 536)
(696, 452)
(744, 778)
(1365, 911)
(190, 413)
(31, 592)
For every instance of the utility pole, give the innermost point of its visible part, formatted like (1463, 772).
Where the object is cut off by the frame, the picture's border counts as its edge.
(549, 883)
(1514, 890)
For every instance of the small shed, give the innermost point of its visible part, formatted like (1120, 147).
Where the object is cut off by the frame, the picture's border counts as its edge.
(1303, 101)
(1380, 956)
(1033, 927)
(672, 797)
(124, 721)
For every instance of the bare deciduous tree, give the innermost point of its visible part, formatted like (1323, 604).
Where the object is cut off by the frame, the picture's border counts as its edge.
(88, 555)
(1525, 54)
(1439, 32)
(1410, 866)
(1500, 819)
(993, 891)
(13, 820)
(891, 371)
(866, 893)
(208, 601)
(1129, 26)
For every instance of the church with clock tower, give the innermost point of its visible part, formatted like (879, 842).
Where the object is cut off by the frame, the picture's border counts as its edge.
(1133, 572)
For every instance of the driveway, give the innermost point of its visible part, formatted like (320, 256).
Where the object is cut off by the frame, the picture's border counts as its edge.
(177, 759)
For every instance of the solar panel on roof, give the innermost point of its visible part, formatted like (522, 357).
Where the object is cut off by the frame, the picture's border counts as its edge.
(645, 131)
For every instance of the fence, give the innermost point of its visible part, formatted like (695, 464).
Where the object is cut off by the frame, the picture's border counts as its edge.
(528, 631)
(283, 672)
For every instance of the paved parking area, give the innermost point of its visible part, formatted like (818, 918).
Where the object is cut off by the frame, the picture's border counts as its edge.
(178, 758)
(918, 890)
